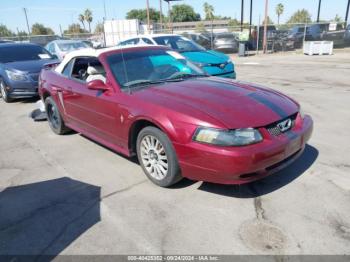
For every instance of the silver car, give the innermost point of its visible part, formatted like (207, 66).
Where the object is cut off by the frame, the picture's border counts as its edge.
(226, 42)
(62, 47)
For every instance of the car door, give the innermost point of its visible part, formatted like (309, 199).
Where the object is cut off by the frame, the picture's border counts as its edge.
(92, 112)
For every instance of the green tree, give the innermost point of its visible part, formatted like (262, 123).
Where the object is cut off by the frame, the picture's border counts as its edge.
(300, 16)
(81, 19)
(40, 29)
(269, 21)
(209, 11)
(74, 29)
(99, 28)
(88, 18)
(22, 33)
(200, 28)
(219, 17)
(337, 18)
(4, 31)
(141, 14)
(279, 11)
(233, 25)
(184, 13)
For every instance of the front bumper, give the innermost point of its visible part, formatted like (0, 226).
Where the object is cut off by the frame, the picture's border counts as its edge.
(238, 165)
(23, 89)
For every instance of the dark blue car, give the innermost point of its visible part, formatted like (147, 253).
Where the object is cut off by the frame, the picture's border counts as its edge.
(20, 65)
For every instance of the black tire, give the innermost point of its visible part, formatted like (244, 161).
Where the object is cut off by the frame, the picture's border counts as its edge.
(54, 117)
(3, 92)
(173, 174)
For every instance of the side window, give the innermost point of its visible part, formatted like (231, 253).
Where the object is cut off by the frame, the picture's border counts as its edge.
(79, 70)
(68, 68)
(86, 69)
(133, 41)
(147, 41)
(50, 48)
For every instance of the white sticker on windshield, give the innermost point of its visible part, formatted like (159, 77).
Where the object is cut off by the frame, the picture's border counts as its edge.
(44, 56)
(175, 55)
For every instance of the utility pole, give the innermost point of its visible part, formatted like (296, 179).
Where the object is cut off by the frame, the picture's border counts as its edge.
(25, 14)
(148, 22)
(104, 9)
(265, 27)
(61, 30)
(347, 13)
(318, 12)
(251, 18)
(170, 18)
(161, 15)
(242, 13)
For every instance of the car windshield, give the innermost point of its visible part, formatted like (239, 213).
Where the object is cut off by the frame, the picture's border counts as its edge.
(14, 53)
(225, 36)
(72, 46)
(178, 43)
(142, 68)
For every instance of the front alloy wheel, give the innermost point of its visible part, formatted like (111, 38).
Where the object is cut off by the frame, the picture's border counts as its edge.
(153, 157)
(157, 157)
(4, 93)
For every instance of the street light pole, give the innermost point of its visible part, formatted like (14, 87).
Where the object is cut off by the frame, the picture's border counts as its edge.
(251, 18)
(242, 13)
(25, 14)
(148, 22)
(160, 15)
(347, 13)
(265, 27)
(318, 12)
(169, 15)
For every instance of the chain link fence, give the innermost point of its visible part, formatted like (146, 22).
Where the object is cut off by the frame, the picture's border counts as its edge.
(219, 35)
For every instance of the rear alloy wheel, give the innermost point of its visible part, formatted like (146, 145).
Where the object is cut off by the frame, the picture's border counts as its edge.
(4, 93)
(157, 157)
(54, 117)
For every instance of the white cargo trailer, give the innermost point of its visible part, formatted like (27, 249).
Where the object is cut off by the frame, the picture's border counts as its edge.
(117, 30)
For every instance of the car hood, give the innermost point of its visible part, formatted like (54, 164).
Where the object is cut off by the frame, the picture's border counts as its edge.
(211, 57)
(232, 103)
(33, 66)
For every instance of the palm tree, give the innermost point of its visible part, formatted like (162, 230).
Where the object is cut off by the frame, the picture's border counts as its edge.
(209, 15)
(82, 19)
(279, 11)
(209, 11)
(88, 17)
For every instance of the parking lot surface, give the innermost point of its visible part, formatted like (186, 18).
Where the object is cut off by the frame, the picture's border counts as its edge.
(70, 195)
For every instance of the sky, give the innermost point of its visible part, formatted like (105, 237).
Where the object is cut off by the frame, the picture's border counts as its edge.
(63, 12)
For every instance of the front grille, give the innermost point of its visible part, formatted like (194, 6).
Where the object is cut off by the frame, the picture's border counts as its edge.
(34, 77)
(273, 128)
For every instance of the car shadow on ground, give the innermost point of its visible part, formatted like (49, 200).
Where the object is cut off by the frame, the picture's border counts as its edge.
(267, 184)
(30, 100)
(40, 220)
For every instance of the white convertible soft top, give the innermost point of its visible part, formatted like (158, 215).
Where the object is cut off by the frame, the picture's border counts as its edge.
(88, 52)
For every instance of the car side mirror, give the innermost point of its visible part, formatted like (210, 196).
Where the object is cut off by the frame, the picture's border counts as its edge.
(98, 85)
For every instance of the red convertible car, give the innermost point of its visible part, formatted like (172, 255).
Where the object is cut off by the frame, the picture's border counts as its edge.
(180, 122)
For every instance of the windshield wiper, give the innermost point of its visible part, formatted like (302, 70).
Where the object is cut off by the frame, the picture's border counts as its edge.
(142, 83)
(186, 76)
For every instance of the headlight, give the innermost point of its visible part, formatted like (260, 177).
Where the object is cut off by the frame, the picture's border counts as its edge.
(16, 76)
(200, 65)
(237, 137)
